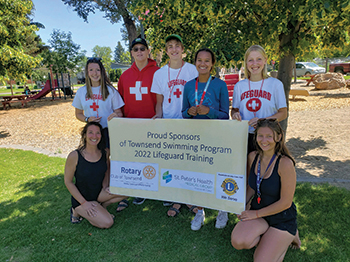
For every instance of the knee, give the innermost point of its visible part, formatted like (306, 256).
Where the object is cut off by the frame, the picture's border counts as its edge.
(106, 223)
(237, 243)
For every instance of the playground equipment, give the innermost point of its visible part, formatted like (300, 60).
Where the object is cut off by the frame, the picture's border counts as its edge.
(53, 85)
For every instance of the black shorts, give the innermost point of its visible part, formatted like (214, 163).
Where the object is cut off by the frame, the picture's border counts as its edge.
(289, 225)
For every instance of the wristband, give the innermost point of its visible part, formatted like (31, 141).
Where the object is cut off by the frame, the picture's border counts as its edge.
(86, 119)
(83, 203)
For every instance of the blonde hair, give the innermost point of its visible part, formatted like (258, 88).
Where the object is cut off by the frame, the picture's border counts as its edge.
(261, 50)
(104, 81)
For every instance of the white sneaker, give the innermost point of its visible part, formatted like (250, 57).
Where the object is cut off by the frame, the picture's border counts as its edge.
(221, 219)
(198, 221)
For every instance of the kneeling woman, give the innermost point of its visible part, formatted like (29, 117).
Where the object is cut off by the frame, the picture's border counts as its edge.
(89, 164)
(270, 221)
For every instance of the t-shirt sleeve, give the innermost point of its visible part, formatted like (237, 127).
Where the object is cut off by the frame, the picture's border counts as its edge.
(77, 100)
(235, 97)
(156, 83)
(280, 95)
(117, 101)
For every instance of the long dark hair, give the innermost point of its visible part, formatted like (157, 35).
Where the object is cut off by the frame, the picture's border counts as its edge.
(280, 147)
(82, 145)
(105, 82)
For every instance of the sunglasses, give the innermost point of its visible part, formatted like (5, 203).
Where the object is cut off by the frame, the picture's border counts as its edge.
(94, 59)
(135, 49)
(270, 120)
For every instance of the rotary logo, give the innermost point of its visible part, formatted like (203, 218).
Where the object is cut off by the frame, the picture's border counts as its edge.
(229, 186)
(149, 172)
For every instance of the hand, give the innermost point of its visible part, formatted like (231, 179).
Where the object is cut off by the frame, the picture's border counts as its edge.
(113, 115)
(192, 111)
(107, 190)
(252, 122)
(89, 208)
(247, 215)
(203, 110)
(237, 116)
(94, 119)
(157, 116)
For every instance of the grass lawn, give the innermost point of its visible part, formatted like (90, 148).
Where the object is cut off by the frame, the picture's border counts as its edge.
(34, 223)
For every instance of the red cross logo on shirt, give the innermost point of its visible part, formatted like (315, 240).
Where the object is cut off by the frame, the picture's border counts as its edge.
(253, 105)
(178, 93)
(94, 106)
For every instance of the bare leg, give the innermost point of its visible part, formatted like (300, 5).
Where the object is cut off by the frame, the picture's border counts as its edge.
(296, 243)
(273, 245)
(106, 198)
(103, 218)
(246, 234)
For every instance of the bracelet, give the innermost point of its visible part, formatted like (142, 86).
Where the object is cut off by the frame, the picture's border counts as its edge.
(83, 203)
(256, 213)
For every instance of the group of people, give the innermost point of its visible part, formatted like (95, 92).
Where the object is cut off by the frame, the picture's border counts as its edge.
(182, 90)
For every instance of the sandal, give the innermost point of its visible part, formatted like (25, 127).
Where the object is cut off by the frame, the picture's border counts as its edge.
(122, 205)
(177, 210)
(192, 208)
(74, 219)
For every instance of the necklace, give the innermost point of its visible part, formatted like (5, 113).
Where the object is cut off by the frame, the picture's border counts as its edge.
(260, 91)
(172, 85)
(204, 91)
(259, 179)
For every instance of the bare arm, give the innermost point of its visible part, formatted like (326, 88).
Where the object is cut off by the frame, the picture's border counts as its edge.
(159, 107)
(69, 170)
(280, 115)
(79, 114)
(116, 113)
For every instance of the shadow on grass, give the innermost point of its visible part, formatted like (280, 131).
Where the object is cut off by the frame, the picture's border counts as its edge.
(327, 167)
(35, 227)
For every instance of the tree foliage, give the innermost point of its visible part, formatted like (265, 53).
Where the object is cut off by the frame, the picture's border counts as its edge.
(105, 53)
(15, 30)
(114, 10)
(64, 55)
(285, 28)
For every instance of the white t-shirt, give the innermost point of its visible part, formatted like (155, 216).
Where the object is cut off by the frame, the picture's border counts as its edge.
(172, 90)
(96, 106)
(254, 102)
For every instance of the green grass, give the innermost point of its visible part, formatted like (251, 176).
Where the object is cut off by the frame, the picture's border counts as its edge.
(34, 223)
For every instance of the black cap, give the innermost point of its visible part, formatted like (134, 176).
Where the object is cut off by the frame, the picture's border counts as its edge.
(139, 40)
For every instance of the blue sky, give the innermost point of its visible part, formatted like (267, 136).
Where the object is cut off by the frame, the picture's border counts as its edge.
(54, 14)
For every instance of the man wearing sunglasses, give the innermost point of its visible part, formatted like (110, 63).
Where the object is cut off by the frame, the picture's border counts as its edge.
(135, 88)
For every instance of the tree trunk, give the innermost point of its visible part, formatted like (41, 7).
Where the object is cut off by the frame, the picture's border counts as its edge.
(285, 75)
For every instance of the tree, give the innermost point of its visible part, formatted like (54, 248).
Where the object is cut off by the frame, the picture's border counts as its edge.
(115, 11)
(15, 29)
(118, 52)
(284, 28)
(64, 55)
(105, 53)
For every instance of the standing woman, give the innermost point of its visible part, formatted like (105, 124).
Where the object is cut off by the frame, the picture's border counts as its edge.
(97, 101)
(257, 96)
(269, 222)
(206, 97)
(89, 165)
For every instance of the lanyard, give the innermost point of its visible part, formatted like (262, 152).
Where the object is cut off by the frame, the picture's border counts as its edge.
(260, 90)
(94, 105)
(259, 179)
(204, 91)
(174, 83)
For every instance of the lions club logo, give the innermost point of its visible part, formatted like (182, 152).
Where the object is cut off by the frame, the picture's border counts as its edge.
(229, 186)
(149, 172)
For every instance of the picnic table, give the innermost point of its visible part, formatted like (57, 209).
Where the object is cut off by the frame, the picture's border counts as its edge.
(7, 100)
(311, 79)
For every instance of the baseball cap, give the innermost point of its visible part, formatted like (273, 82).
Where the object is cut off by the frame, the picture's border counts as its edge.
(139, 40)
(173, 36)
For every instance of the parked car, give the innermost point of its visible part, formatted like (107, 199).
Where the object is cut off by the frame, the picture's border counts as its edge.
(308, 68)
(343, 68)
